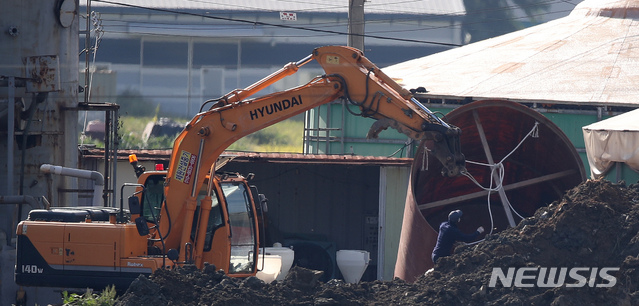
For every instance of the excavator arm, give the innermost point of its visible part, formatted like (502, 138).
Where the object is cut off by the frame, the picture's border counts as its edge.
(349, 75)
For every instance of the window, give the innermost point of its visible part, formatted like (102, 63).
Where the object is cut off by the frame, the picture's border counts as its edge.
(153, 197)
(243, 240)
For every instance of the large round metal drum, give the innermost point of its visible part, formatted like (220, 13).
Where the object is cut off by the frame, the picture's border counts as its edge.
(539, 165)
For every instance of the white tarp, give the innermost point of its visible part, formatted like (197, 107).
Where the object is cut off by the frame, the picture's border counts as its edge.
(613, 140)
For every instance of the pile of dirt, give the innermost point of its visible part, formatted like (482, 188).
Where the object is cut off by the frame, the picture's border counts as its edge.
(594, 226)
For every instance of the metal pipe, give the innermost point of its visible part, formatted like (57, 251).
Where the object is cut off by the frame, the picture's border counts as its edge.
(328, 129)
(307, 131)
(10, 132)
(195, 186)
(108, 125)
(39, 98)
(8, 225)
(87, 174)
(24, 199)
(87, 51)
(189, 79)
(429, 112)
(304, 61)
(114, 156)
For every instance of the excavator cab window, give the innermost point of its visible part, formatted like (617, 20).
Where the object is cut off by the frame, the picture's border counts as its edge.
(242, 225)
(153, 197)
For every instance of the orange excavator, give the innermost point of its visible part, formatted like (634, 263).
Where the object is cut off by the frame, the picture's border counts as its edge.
(193, 213)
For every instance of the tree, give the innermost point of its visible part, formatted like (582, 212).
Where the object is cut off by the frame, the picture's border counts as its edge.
(489, 18)
(132, 103)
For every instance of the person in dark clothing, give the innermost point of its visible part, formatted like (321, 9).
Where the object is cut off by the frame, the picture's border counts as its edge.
(449, 233)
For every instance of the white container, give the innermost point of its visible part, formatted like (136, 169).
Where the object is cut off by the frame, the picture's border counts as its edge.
(352, 264)
(287, 255)
(271, 269)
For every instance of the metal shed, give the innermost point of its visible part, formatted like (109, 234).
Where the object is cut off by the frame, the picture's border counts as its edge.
(317, 203)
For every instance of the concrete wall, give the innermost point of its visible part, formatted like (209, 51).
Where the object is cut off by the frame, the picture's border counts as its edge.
(38, 72)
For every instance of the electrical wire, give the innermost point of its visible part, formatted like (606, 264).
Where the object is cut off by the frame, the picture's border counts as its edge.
(385, 5)
(98, 29)
(395, 20)
(319, 7)
(406, 144)
(328, 25)
(194, 27)
(278, 25)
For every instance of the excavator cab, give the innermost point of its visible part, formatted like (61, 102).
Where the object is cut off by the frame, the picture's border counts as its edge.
(224, 216)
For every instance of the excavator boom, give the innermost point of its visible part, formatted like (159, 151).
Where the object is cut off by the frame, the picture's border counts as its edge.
(349, 75)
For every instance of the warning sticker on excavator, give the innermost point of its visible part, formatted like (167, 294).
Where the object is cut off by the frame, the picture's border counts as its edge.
(332, 59)
(185, 167)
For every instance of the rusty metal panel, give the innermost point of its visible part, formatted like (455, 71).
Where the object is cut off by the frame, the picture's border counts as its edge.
(44, 72)
(238, 156)
(536, 172)
(589, 58)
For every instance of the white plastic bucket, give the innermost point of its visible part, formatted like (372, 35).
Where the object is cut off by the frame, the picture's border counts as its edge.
(352, 264)
(287, 255)
(271, 268)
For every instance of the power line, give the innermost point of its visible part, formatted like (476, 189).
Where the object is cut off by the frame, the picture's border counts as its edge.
(320, 7)
(276, 25)
(386, 10)
(311, 27)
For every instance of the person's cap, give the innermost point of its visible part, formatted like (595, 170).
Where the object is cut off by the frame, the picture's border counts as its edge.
(454, 216)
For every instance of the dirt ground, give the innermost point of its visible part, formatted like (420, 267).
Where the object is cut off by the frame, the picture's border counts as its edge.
(593, 225)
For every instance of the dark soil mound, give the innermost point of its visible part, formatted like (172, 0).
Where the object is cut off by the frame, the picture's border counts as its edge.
(594, 226)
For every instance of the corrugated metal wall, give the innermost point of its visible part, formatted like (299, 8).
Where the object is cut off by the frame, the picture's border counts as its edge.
(348, 134)
(355, 129)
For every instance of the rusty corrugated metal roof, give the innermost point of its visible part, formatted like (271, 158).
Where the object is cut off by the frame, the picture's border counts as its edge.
(319, 158)
(291, 158)
(589, 58)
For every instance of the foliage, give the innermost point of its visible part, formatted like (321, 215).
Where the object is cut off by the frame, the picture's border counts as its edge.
(106, 298)
(136, 124)
(489, 18)
(285, 136)
(132, 103)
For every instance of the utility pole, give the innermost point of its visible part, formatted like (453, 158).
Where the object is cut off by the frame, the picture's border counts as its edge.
(356, 24)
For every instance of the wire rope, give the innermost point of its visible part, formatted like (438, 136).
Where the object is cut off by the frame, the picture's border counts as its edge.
(499, 168)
